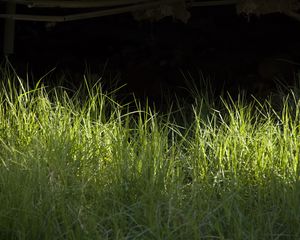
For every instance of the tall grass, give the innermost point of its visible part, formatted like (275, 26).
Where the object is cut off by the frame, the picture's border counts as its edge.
(86, 168)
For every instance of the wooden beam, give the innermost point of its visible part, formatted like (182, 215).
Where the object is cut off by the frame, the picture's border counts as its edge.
(115, 11)
(143, 4)
(36, 18)
(213, 3)
(81, 16)
(9, 29)
(77, 4)
(111, 3)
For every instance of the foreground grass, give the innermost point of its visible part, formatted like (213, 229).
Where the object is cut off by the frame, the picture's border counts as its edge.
(89, 169)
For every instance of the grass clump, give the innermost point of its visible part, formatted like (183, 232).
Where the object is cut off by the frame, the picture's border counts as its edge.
(86, 168)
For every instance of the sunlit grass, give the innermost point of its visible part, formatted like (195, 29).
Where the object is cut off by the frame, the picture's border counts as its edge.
(83, 166)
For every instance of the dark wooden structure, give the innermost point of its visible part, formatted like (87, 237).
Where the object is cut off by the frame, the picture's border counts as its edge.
(141, 9)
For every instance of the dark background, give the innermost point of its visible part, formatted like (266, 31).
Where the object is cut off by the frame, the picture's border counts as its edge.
(232, 51)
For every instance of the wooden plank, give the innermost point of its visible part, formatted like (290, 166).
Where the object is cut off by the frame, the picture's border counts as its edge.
(213, 3)
(112, 3)
(77, 4)
(143, 4)
(37, 18)
(81, 16)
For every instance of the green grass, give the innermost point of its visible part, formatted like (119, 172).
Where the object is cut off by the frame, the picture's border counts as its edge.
(74, 167)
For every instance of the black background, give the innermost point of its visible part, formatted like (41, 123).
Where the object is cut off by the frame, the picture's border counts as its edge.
(225, 47)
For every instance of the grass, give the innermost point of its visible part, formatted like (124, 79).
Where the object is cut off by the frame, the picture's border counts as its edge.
(89, 168)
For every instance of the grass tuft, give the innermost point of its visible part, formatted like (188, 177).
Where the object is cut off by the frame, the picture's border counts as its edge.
(84, 166)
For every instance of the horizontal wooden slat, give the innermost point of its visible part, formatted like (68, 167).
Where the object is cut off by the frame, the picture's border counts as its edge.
(80, 16)
(77, 4)
(111, 3)
(213, 3)
(124, 7)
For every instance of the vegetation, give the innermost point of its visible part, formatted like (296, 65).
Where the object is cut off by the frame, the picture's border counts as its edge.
(90, 168)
